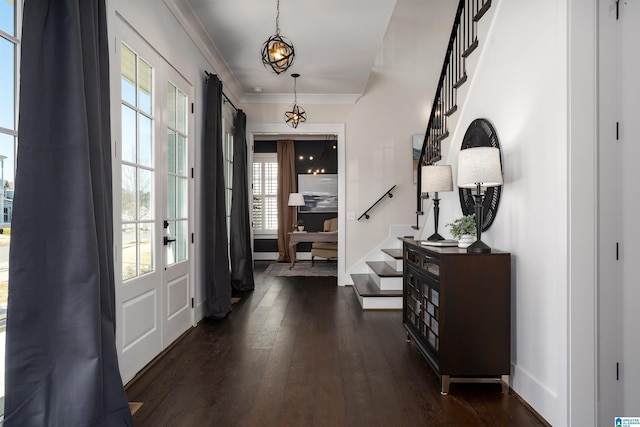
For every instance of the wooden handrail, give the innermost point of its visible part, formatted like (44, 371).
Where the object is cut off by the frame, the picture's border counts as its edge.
(366, 213)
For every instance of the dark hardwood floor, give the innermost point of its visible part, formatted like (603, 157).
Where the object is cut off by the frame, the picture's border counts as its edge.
(301, 352)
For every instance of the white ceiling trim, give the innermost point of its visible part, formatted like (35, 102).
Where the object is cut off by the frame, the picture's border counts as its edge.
(191, 25)
(288, 98)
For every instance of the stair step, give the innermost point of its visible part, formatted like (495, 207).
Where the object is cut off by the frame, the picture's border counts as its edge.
(482, 11)
(445, 135)
(470, 49)
(451, 110)
(393, 253)
(383, 269)
(393, 257)
(460, 82)
(366, 287)
(371, 297)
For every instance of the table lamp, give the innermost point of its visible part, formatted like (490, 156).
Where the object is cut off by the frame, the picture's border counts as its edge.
(479, 167)
(436, 178)
(296, 199)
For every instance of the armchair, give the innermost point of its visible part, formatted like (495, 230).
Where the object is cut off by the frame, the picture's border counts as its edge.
(325, 249)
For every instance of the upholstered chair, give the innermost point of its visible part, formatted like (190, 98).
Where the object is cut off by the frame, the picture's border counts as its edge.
(325, 249)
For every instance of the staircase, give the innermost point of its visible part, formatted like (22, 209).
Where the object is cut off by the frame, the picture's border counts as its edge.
(381, 287)
(462, 43)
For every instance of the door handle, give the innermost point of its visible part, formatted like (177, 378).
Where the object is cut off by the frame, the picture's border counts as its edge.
(168, 240)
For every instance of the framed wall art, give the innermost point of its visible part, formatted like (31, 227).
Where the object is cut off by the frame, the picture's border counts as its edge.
(320, 192)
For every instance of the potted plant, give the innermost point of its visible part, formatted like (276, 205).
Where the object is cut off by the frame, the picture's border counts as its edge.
(300, 225)
(464, 230)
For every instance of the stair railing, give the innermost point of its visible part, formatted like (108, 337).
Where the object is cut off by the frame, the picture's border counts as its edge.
(462, 42)
(366, 213)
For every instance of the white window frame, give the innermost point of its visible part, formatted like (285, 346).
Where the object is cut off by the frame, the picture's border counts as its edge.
(264, 158)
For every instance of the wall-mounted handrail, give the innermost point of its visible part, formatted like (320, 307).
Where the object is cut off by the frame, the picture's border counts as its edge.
(366, 213)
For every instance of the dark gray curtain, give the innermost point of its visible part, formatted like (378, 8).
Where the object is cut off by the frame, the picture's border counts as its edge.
(241, 259)
(216, 254)
(61, 360)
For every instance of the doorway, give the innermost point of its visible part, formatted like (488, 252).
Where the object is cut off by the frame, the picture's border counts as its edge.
(153, 199)
(618, 293)
(276, 130)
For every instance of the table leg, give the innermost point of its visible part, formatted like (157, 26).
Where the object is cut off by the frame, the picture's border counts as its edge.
(292, 254)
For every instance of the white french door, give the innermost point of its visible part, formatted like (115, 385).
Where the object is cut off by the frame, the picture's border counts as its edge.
(177, 230)
(151, 127)
(619, 293)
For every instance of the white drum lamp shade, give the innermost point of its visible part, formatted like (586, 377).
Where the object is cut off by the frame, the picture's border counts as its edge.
(479, 165)
(436, 178)
(296, 199)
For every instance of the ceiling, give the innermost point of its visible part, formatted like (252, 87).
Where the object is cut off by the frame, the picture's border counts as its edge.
(336, 43)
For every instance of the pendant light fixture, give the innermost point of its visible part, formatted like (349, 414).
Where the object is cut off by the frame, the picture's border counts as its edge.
(277, 51)
(297, 114)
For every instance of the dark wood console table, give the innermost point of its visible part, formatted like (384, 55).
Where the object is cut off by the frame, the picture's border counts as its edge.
(457, 310)
(297, 237)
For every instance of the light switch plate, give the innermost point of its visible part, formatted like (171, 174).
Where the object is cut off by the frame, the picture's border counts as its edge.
(351, 216)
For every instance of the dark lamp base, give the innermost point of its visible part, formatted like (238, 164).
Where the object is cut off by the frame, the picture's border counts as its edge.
(435, 237)
(478, 247)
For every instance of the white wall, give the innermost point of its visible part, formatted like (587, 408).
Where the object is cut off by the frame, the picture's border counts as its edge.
(521, 85)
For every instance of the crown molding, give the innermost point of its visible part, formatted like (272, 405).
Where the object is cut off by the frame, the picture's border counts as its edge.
(288, 98)
(189, 21)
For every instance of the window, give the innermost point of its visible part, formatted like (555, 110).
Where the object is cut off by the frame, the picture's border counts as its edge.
(138, 215)
(265, 191)
(10, 13)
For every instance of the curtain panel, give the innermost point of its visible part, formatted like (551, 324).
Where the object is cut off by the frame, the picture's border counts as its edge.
(241, 258)
(61, 359)
(286, 185)
(216, 254)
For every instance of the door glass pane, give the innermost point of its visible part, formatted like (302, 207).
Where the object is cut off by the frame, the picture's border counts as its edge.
(171, 197)
(171, 151)
(181, 198)
(144, 95)
(181, 240)
(171, 106)
(145, 140)
(128, 60)
(129, 132)
(181, 151)
(129, 190)
(145, 196)
(181, 124)
(172, 247)
(7, 83)
(146, 247)
(129, 252)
